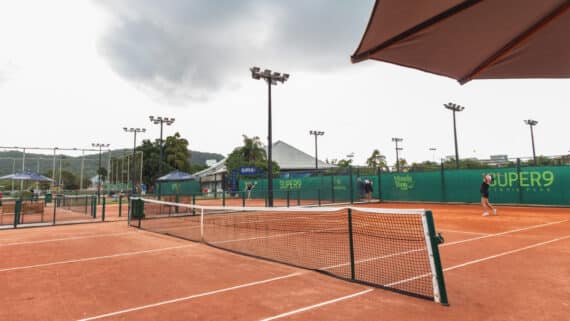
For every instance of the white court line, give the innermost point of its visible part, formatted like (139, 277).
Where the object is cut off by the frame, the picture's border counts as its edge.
(190, 297)
(445, 244)
(462, 232)
(374, 258)
(503, 233)
(278, 235)
(481, 260)
(316, 305)
(65, 239)
(95, 258)
(507, 253)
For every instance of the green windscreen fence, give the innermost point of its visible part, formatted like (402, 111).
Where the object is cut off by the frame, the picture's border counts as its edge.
(325, 188)
(546, 185)
(517, 185)
(180, 188)
(526, 185)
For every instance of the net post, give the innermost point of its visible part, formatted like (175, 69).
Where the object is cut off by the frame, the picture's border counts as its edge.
(17, 210)
(54, 210)
(103, 205)
(351, 245)
(433, 241)
(120, 205)
(140, 206)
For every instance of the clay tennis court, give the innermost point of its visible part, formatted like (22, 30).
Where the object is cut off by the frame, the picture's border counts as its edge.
(514, 266)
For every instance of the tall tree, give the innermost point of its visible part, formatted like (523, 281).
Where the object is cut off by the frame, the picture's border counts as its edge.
(344, 163)
(376, 160)
(251, 153)
(176, 156)
(252, 149)
(176, 152)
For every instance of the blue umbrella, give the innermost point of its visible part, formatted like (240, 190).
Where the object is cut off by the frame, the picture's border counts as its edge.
(26, 176)
(176, 176)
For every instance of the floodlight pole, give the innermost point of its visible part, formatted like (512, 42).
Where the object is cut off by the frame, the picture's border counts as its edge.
(316, 133)
(397, 140)
(100, 146)
(455, 108)
(134, 131)
(160, 120)
(531, 123)
(271, 78)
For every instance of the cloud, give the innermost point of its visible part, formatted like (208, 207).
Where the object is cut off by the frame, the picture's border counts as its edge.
(182, 49)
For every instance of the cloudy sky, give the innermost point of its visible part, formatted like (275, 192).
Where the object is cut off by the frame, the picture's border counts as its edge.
(74, 72)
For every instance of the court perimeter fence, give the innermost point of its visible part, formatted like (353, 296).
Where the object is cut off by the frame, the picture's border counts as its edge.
(61, 209)
(519, 184)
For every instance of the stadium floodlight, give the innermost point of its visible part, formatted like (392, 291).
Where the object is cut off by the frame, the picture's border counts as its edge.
(134, 131)
(455, 108)
(397, 140)
(531, 123)
(100, 146)
(159, 120)
(316, 133)
(271, 78)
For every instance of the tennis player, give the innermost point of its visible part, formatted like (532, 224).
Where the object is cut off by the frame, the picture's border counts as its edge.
(485, 196)
(249, 187)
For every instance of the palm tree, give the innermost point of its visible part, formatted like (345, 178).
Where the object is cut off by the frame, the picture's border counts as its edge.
(252, 149)
(376, 160)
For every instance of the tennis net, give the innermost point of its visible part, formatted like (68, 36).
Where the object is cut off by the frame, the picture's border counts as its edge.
(82, 204)
(388, 248)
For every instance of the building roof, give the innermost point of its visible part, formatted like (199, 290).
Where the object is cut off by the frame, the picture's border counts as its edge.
(285, 155)
(291, 158)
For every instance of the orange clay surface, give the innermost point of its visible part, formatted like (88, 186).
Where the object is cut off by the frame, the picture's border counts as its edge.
(515, 266)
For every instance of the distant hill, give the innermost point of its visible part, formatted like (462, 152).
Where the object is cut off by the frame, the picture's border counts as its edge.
(13, 159)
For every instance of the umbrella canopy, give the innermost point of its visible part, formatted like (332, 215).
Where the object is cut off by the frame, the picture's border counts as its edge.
(26, 176)
(471, 39)
(176, 176)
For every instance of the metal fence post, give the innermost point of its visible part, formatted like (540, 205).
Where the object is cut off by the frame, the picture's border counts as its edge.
(120, 205)
(17, 212)
(103, 201)
(351, 245)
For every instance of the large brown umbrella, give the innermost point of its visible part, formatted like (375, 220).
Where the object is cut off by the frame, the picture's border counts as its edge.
(471, 39)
